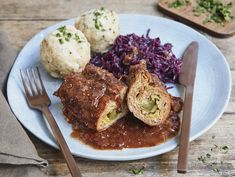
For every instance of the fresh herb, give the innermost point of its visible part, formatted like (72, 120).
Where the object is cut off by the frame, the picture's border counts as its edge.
(61, 29)
(198, 10)
(213, 137)
(215, 167)
(96, 24)
(202, 159)
(77, 38)
(179, 3)
(67, 36)
(101, 8)
(137, 171)
(216, 170)
(208, 157)
(97, 15)
(58, 35)
(63, 35)
(61, 41)
(224, 149)
(218, 12)
(214, 147)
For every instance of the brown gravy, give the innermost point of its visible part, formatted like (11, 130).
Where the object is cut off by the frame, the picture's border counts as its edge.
(129, 132)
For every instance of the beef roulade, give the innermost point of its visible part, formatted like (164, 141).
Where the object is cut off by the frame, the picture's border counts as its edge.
(94, 97)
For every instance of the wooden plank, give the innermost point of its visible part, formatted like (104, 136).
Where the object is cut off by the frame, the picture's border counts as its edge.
(163, 165)
(186, 15)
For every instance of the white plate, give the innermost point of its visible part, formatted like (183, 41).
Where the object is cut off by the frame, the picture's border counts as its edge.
(212, 87)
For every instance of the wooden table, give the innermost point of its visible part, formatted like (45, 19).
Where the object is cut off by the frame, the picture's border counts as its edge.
(23, 19)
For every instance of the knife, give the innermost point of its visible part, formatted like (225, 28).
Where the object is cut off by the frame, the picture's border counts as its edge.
(187, 78)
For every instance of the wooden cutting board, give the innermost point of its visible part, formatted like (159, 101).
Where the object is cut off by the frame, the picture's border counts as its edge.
(185, 14)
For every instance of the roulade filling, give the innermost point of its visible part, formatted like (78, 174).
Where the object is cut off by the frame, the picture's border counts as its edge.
(151, 105)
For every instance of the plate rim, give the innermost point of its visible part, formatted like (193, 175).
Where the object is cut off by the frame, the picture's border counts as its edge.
(142, 155)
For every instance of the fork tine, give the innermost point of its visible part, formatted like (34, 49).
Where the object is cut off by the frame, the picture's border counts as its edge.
(35, 78)
(39, 76)
(24, 84)
(30, 82)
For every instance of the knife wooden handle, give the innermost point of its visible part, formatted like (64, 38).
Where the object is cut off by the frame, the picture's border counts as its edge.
(185, 131)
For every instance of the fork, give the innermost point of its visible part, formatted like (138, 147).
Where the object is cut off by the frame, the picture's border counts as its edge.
(37, 98)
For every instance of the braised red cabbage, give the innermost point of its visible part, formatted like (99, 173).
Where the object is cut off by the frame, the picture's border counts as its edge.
(130, 49)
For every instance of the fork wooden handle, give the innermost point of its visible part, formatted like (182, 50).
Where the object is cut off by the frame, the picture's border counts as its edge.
(185, 131)
(75, 172)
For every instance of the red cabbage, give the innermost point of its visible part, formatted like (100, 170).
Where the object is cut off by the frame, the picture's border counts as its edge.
(130, 49)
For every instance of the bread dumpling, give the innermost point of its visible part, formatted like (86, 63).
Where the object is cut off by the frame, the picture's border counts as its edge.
(63, 51)
(100, 26)
(147, 97)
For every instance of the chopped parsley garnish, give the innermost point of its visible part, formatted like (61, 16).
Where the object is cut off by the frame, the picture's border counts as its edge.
(69, 35)
(211, 161)
(208, 155)
(58, 35)
(137, 171)
(98, 24)
(179, 3)
(202, 159)
(77, 38)
(217, 11)
(224, 149)
(61, 41)
(216, 170)
(63, 35)
(61, 29)
(97, 13)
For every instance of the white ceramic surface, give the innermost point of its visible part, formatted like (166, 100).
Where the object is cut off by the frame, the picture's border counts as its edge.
(212, 87)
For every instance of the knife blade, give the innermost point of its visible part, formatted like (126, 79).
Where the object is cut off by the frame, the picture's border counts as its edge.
(187, 79)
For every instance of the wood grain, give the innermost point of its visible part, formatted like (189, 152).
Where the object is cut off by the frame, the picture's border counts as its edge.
(21, 20)
(186, 15)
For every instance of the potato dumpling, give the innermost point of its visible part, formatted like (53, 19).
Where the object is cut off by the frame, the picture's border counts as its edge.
(65, 50)
(100, 26)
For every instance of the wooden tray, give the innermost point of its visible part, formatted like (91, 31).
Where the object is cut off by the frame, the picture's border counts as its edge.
(185, 15)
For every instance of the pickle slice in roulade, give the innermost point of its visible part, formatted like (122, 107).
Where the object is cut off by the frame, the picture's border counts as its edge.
(147, 97)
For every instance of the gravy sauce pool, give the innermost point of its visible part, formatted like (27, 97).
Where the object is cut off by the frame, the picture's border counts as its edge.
(128, 132)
